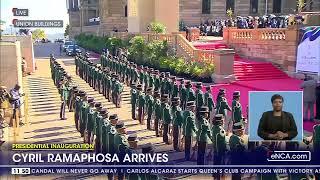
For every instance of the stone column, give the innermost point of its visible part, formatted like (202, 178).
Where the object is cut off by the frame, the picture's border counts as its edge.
(223, 61)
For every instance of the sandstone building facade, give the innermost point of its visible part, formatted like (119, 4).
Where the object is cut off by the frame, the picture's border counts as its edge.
(113, 13)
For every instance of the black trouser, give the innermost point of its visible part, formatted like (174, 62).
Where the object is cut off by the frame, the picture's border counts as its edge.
(187, 147)
(63, 110)
(201, 152)
(149, 121)
(141, 115)
(165, 133)
(76, 119)
(156, 126)
(133, 111)
(118, 100)
(176, 137)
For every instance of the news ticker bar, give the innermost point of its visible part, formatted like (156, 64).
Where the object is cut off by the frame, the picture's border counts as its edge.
(37, 23)
(53, 147)
(161, 170)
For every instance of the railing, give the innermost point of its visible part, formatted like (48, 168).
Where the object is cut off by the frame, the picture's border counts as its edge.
(263, 34)
(176, 40)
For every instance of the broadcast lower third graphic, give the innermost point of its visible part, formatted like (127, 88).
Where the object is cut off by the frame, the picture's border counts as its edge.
(289, 156)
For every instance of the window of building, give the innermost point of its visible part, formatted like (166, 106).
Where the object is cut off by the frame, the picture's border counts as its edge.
(230, 5)
(254, 6)
(206, 6)
(126, 11)
(277, 6)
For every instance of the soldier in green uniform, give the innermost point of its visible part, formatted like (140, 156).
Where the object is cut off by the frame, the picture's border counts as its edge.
(65, 91)
(237, 115)
(199, 97)
(183, 94)
(99, 79)
(141, 104)
(84, 110)
(102, 118)
(134, 98)
(191, 96)
(157, 81)
(72, 100)
(113, 83)
(177, 123)
(121, 144)
(90, 111)
(141, 75)
(208, 101)
(108, 86)
(157, 112)
(117, 91)
(221, 93)
(237, 146)
(151, 78)
(150, 107)
(99, 120)
(219, 141)
(134, 74)
(78, 105)
(88, 135)
(146, 78)
(133, 143)
(128, 73)
(166, 118)
(175, 88)
(204, 134)
(189, 128)
(148, 149)
(222, 105)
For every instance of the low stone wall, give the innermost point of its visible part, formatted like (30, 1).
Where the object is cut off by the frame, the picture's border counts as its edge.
(10, 60)
(26, 46)
(276, 45)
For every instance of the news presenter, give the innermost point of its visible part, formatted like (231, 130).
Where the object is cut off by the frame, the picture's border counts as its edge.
(277, 124)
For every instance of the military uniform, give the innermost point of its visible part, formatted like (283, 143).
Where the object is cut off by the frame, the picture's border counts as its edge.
(237, 108)
(72, 100)
(84, 110)
(121, 144)
(183, 95)
(150, 107)
(177, 123)
(219, 141)
(65, 91)
(189, 129)
(78, 105)
(190, 92)
(166, 118)
(157, 112)
(157, 81)
(199, 97)
(132, 139)
(141, 104)
(237, 147)
(148, 149)
(223, 106)
(101, 120)
(118, 88)
(134, 97)
(91, 122)
(204, 135)
(208, 101)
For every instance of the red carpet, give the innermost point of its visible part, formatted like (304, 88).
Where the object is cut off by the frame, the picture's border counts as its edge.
(308, 126)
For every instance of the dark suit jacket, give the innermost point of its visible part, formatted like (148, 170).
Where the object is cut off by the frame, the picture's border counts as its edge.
(266, 125)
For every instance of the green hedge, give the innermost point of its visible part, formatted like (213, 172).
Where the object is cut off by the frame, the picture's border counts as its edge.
(153, 54)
